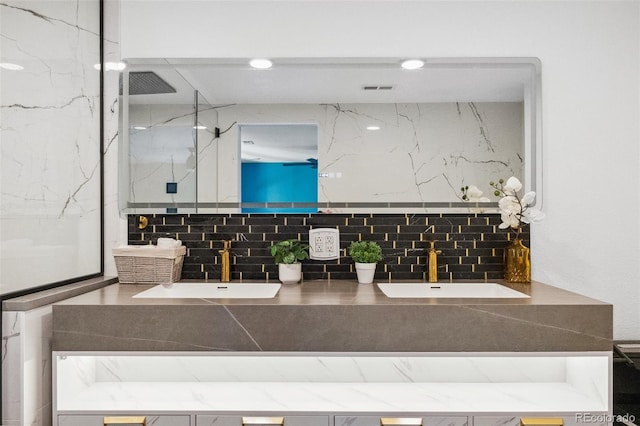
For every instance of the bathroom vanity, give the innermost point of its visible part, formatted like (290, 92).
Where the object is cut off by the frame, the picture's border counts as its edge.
(332, 353)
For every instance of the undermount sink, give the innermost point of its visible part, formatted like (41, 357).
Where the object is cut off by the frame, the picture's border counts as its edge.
(211, 291)
(449, 290)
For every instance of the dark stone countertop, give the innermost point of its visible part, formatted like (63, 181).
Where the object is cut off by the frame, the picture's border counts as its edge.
(333, 316)
(47, 297)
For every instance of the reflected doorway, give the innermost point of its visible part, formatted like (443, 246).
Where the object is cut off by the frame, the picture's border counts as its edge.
(279, 164)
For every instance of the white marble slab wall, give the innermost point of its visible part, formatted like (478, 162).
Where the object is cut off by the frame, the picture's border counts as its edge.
(50, 123)
(12, 367)
(370, 384)
(26, 367)
(208, 156)
(431, 150)
(597, 382)
(75, 375)
(314, 369)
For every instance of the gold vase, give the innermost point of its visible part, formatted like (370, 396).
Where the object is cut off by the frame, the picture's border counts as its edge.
(517, 262)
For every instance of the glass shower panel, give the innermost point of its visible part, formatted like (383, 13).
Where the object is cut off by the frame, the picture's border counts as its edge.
(50, 175)
(206, 156)
(160, 134)
(162, 164)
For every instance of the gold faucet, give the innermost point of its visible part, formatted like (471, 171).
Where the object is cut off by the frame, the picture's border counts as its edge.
(225, 271)
(433, 262)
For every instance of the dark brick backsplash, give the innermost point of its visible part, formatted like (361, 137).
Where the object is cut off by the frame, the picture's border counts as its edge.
(472, 245)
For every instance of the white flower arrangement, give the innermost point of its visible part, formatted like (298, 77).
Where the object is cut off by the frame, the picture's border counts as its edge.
(515, 211)
(473, 194)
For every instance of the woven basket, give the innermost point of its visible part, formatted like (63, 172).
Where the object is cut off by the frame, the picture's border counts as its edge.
(143, 266)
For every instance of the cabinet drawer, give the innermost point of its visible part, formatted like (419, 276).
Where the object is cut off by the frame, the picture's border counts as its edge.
(426, 421)
(77, 420)
(576, 420)
(207, 420)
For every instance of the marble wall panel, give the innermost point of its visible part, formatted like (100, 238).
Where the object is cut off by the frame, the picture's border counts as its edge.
(36, 385)
(81, 371)
(422, 152)
(26, 367)
(12, 371)
(50, 121)
(50, 178)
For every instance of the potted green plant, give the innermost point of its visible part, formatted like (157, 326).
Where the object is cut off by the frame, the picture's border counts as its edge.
(366, 255)
(288, 254)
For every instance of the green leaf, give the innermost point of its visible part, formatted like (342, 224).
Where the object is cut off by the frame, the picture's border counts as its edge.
(365, 251)
(289, 251)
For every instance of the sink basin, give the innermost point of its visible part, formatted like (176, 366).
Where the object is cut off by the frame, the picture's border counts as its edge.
(211, 291)
(450, 290)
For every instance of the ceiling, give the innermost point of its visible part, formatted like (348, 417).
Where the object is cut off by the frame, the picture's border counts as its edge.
(279, 143)
(333, 80)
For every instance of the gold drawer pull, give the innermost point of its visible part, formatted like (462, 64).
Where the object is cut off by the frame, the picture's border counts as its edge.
(126, 420)
(392, 421)
(263, 421)
(541, 421)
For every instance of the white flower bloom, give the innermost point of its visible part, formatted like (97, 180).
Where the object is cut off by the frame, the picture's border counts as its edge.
(512, 186)
(515, 211)
(475, 195)
(474, 192)
(509, 204)
(532, 215)
(509, 221)
(528, 198)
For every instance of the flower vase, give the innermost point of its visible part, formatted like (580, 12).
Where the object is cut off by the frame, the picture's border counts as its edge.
(517, 262)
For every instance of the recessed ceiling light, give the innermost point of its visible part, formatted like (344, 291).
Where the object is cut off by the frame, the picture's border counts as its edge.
(115, 66)
(412, 64)
(111, 66)
(261, 64)
(139, 128)
(373, 127)
(200, 127)
(10, 66)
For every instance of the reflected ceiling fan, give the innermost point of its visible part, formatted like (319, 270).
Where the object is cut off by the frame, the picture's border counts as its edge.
(312, 162)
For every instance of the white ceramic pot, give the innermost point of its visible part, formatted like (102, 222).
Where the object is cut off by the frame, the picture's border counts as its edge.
(365, 272)
(289, 273)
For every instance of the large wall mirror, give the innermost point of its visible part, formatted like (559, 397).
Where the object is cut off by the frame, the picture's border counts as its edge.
(372, 136)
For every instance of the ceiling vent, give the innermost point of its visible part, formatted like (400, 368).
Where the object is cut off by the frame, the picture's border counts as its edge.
(147, 83)
(377, 87)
